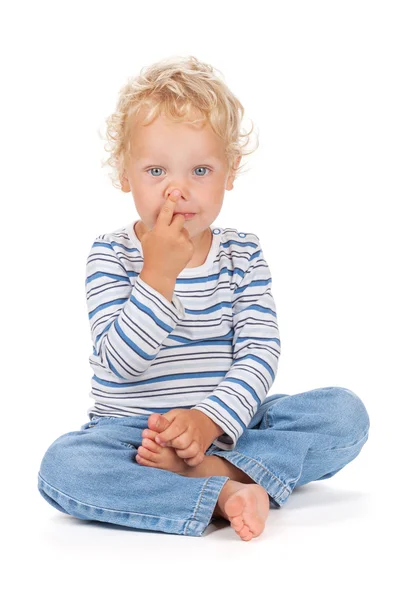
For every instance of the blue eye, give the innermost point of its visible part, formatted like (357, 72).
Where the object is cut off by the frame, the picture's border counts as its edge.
(159, 169)
(154, 168)
(202, 168)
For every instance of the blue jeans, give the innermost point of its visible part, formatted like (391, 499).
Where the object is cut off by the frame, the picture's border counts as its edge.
(92, 473)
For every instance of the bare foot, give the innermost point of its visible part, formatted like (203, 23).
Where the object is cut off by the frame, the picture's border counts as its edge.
(151, 454)
(246, 506)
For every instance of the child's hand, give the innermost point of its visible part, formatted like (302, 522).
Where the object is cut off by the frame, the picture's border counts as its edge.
(167, 248)
(190, 432)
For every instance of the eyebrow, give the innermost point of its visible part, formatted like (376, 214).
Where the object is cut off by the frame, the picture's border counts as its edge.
(208, 159)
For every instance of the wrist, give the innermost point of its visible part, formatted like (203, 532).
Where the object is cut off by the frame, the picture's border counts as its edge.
(163, 285)
(213, 429)
(218, 430)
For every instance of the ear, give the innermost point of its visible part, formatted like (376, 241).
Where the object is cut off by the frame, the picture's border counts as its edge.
(231, 176)
(125, 185)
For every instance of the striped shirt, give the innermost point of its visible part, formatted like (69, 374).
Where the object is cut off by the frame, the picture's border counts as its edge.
(214, 347)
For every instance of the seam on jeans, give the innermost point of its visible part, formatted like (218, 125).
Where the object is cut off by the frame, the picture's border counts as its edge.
(107, 509)
(259, 464)
(341, 447)
(196, 509)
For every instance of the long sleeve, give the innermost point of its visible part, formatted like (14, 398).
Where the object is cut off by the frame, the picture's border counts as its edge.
(256, 350)
(128, 322)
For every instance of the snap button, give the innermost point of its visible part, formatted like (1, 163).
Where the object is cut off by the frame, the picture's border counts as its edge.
(216, 231)
(242, 234)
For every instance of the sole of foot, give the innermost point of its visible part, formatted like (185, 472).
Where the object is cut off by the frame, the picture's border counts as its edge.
(246, 506)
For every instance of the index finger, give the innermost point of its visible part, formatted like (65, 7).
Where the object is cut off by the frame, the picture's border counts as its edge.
(167, 210)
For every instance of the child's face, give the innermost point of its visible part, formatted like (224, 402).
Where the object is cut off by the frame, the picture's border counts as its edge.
(167, 155)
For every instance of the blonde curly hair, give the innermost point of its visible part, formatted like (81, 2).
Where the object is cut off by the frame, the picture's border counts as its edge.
(175, 86)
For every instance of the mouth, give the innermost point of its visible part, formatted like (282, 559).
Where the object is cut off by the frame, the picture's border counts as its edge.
(186, 215)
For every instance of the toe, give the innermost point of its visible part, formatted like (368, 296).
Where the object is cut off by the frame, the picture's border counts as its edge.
(148, 433)
(245, 533)
(146, 454)
(150, 445)
(143, 462)
(158, 422)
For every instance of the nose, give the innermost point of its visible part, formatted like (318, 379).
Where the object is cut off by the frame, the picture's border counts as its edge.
(174, 189)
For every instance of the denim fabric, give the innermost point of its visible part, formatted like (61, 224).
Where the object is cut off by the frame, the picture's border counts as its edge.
(292, 440)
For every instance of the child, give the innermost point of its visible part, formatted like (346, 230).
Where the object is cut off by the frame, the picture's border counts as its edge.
(185, 338)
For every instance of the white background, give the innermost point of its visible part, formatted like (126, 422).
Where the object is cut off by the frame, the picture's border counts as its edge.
(320, 81)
